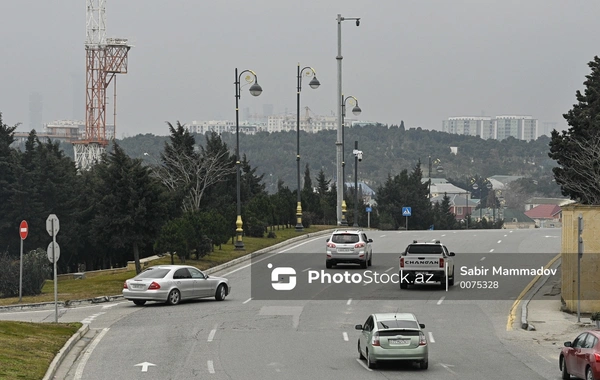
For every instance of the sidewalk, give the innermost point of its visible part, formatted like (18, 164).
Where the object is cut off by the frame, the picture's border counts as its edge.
(551, 326)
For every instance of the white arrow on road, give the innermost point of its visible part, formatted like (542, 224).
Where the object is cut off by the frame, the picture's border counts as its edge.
(145, 366)
(447, 366)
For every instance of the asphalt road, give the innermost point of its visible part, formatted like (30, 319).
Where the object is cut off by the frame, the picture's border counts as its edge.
(309, 333)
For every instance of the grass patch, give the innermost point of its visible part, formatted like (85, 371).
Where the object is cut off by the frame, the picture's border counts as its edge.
(110, 284)
(27, 349)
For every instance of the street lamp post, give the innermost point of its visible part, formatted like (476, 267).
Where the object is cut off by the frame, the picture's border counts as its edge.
(439, 169)
(490, 189)
(356, 111)
(357, 157)
(338, 143)
(255, 90)
(314, 83)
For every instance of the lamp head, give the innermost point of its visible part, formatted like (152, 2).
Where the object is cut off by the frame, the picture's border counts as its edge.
(357, 21)
(356, 110)
(314, 83)
(255, 89)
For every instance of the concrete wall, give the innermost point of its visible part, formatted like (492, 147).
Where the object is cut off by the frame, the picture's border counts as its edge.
(590, 263)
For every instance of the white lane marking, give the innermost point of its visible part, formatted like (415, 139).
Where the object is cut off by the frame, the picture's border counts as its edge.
(91, 318)
(113, 305)
(443, 235)
(345, 335)
(363, 364)
(211, 366)
(492, 250)
(431, 337)
(248, 300)
(499, 241)
(505, 235)
(382, 236)
(88, 353)
(349, 301)
(441, 300)
(510, 232)
(266, 258)
(306, 270)
(483, 258)
(389, 269)
(211, 336)
(447, 366)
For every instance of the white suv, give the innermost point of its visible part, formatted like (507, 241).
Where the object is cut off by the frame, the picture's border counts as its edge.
(349, 246)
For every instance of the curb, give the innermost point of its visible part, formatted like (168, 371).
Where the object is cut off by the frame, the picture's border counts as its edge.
(265, 250)
(64, 351)
(538, 285)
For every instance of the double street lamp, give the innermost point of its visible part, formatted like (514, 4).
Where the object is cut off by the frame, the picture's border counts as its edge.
(356, 111)
(338, 143)
(255, 90)
(314, 83)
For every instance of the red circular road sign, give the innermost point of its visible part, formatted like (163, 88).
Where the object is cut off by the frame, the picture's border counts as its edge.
(23, 230)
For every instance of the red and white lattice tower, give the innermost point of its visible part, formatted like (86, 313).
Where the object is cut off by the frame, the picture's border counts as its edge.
(105, 57)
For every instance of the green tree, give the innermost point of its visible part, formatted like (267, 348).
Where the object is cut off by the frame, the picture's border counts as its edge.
(576, 150)
(131, 206)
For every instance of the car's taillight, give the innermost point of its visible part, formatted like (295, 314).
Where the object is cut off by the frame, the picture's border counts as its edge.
(330, 245)
(125, 285)
(375, 340)
(441, 263)
(422, 340)
(359, 245)
(596, 357)
(153, 286)
(402, 262)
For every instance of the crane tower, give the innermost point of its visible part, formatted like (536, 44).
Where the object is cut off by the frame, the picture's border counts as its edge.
(105, 58)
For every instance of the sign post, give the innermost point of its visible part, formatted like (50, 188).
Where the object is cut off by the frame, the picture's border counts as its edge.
(52, 226)
(23, 231)
(369, 209)
(406, 212)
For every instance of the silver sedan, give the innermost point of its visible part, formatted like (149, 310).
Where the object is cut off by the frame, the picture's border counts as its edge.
(174, 283)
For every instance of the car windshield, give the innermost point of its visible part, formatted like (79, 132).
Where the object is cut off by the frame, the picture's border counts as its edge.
(154, 273)
(397, 324)
(419, 249)
(345, 238)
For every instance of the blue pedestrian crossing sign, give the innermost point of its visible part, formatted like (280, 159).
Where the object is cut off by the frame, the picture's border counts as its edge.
(406, 211)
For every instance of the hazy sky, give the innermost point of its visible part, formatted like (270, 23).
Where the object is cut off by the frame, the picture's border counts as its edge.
(417, 61)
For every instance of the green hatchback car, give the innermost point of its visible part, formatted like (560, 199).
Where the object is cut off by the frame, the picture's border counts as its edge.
(393, 336)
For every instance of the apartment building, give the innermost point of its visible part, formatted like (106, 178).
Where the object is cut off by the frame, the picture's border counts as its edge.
(499, 127)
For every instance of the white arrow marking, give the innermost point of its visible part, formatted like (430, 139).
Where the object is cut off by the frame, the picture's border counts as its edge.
(145, 366)
(447, 366)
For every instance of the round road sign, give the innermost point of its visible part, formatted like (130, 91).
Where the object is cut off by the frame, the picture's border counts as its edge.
(53, 247)
(23, 230)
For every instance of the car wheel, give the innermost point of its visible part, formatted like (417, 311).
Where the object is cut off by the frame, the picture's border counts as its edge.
(221, 292)
(363, 265)
(139, 302)
(360, 355)
(403, 285)
(563, 365)
(451, 279)
(588, 374)
(370, 364)
(371, 260)
(328, 265)
(174, 297)
(424, 364)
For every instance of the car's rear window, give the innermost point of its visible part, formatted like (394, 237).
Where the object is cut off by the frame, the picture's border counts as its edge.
(154, 273)
(397, 324)
(425, 249)
(345, 238)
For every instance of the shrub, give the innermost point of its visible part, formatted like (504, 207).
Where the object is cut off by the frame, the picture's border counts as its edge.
(36, 270)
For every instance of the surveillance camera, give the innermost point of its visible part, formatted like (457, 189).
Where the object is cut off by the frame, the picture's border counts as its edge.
(360, 156)
(358, 22)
